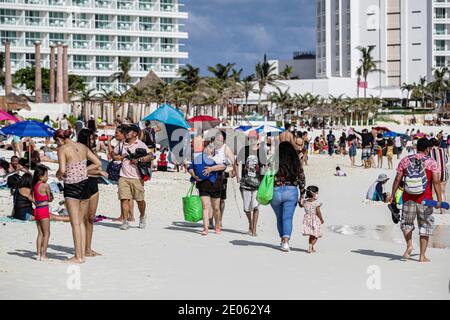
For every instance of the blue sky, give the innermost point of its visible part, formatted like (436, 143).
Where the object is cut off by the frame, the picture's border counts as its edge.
(241, 31)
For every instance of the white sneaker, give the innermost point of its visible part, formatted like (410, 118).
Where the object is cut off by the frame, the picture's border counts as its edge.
(125, 225)
(285, 247)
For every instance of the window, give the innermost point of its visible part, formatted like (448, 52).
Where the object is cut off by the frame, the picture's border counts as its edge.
(124, 22)
(80, 62)
(11, 36)
(167, 25)
(103, 83)
(147, 63)
(8, 16)
(80, 3)
(439, 13)
(79, 41)
(440, 45)
(29, 59)
(167, 5)
(146, 4)
(167, 45)
(31, 38)
(124, 43)
(32, 18)
(80, 20)
(103, 4)
(440, 29)
(56, 19)
(146, 23)
(56, 38)
(103, 42)
(102, 21)
(440, 61)
(56, 2)
(147, 44)
(168, 65)
(125, 4)
(103, 63)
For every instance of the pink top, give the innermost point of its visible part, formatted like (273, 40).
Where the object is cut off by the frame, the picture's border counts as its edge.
(37, 195)
(128, 169)
(76, 172)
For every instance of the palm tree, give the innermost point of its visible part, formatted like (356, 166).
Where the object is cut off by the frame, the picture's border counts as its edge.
(248, 86)
(123, 76)
(368, 64)
(282, 100)
(190, 79)
(422, 88)
(358, 74)
(439, 86)
(287, 73)
(408, 88)
(336, 102)
(161, 92)
(265, 75)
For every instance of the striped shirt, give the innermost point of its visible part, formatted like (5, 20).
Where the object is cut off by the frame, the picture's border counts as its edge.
(438, 154)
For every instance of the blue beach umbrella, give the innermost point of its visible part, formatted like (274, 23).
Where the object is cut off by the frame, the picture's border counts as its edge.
(265, 129)
(174, 130)
(29, 129)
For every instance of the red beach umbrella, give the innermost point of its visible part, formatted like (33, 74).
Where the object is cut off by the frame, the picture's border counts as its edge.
(203, 122)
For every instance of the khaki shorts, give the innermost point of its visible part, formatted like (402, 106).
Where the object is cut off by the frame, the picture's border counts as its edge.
(424, 215)
(131, 189)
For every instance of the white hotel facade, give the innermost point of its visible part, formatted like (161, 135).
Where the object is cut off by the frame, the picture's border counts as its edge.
(410, 39)
(99, 33)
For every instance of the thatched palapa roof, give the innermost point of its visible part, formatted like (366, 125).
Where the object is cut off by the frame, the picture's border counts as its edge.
(13, 102)
(150, 79)
(321, 111)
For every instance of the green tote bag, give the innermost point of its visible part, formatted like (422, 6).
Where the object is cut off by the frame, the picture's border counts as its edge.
(192, 207)
(265, 190)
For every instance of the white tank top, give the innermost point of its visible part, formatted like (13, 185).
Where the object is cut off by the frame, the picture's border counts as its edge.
(220, 157)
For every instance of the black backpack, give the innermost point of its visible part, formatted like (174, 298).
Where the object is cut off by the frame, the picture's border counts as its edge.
(149, 137)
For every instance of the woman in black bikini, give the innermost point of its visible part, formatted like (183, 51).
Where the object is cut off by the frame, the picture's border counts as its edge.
(73, 170)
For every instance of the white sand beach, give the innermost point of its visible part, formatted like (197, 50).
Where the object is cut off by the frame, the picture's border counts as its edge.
(171, 260)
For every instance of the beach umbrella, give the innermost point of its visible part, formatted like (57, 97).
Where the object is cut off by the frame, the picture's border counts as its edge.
(381, 129)
(243, 128)
(28, 129)
(173, 129)
(203, 122)
(390, 134)
(6, 116)
(265, 129)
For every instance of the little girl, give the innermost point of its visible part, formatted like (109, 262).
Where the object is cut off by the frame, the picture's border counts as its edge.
(390, 153)
(42, 196)
(313, 217)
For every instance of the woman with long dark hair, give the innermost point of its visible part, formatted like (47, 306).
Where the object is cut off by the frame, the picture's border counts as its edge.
(73, 169)
(289, 180)
(87, 137)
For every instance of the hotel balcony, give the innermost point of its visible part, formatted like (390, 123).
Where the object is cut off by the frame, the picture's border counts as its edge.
(131, 5)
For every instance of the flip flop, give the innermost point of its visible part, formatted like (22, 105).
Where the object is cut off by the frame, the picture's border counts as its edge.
(395, 212)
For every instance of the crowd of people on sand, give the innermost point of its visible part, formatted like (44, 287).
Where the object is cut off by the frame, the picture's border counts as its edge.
(129, 164)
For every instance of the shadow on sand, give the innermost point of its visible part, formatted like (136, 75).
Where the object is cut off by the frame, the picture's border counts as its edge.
(32, 255)
(391, 257)
(189, 226)
(261, 244)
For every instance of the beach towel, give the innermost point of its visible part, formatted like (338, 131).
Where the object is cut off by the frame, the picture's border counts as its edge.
(201, 162)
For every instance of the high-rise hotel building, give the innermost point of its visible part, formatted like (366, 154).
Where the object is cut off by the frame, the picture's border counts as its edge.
(410, 38)
(99, 34)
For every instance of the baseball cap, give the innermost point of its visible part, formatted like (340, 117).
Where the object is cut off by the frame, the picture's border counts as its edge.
(133, 127)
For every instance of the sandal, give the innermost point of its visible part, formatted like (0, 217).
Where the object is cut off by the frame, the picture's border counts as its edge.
(217, 230)
(204, 232)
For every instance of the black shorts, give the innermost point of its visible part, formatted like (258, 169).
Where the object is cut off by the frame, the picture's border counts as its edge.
(77, 191)
(92, 186)
(216, 194)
